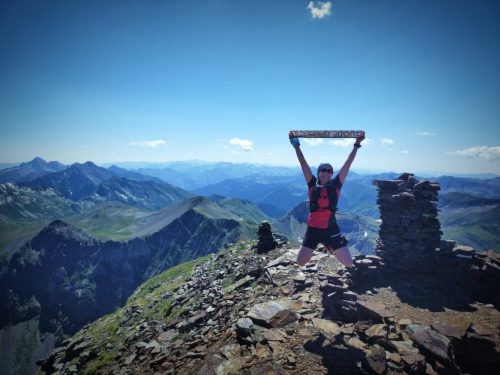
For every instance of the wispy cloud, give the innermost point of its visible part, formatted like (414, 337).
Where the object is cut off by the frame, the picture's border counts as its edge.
(425, 134)
(481, 152)
(387, 141)
(313, 141)
(343, 142)
(320, 9)
(244, 144)
(152, 144)
(405, 151)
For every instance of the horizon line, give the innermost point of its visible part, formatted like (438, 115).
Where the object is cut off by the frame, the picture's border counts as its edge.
(353, 169)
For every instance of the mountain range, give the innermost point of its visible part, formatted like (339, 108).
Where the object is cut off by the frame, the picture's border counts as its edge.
(196, 174)
(88, 185)
(76, 242)
(30, 170)
(64, 278)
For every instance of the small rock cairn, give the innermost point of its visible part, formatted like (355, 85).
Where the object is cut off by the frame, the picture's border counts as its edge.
(267, 241)
(410, 230)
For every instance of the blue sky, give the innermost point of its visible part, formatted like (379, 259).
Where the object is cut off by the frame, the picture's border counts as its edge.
(223, 80)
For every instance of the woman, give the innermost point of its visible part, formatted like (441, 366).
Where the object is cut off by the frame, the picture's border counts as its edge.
(324, 192)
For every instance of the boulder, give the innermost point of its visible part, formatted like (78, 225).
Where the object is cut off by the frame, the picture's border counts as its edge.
(244, 327)
(377, 331)
(328, 328)
(414, 364)
(435, 344)
(376, 359)
(263, 313)
(283, 318)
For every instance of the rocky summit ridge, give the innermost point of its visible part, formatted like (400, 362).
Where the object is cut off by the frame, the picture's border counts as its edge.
(243, 311)
(420, 306)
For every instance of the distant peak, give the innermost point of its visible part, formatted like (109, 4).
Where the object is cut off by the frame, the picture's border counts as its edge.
(37, 162)
(58, 224)
(87, 164)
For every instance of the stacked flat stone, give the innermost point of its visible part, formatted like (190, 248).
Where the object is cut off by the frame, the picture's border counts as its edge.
(410, 229)
(267, 242)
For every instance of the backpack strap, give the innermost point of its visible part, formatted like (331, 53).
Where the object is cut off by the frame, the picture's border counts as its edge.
(313, 202)
(333, 194)
(332, 198)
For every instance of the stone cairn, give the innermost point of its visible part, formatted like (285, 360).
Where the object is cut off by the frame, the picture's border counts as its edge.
(410, 243)
(267, 241)
(410, 230)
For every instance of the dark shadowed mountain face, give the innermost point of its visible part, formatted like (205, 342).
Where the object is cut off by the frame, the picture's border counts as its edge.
(29, 171)
(69, 278)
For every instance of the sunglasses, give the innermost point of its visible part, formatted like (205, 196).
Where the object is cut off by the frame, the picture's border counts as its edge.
(328, 170)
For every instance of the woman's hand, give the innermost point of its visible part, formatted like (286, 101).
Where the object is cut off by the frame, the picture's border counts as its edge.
(294, 141)
(360, 137)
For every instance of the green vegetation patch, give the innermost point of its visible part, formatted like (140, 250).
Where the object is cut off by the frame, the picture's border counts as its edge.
(95, 365)
(155, 300)
(165, 282)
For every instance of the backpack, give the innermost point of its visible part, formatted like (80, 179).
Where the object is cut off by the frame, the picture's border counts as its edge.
(332, 197)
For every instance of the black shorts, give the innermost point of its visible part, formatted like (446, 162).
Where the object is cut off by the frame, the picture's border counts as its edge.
(330, 237)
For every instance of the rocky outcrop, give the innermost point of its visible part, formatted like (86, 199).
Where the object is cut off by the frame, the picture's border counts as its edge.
(243, 312)
(246, 312)
(266, 238)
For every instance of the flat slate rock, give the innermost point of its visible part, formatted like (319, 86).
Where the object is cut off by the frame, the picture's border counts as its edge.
(263, 313)
(377, 331)
(327, 327)
(281, 261)
(376, 359)
(433, 342)
(447, 330)
(376, 310)
(404, 347)
(167, 335)
(283, 318)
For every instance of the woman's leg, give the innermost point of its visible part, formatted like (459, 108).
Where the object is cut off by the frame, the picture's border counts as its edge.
(305, 255)
(344, 256)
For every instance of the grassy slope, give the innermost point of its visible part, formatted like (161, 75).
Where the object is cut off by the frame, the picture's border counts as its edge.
(152, 297)
(476, 227)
